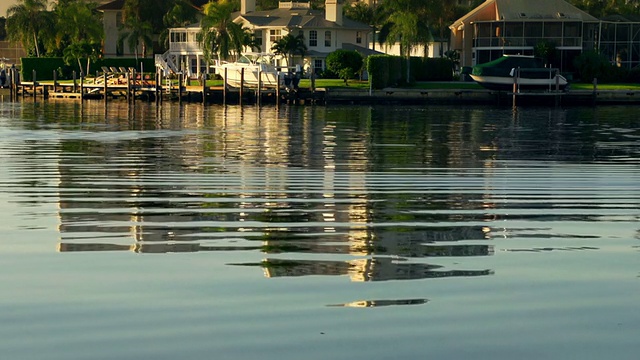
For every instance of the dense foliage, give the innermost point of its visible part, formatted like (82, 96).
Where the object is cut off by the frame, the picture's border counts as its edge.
(386, 70)
(347, 64)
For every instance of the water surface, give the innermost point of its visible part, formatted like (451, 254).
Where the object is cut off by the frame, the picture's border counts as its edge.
(200, 232)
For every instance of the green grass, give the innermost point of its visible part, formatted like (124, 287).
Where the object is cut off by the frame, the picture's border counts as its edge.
(428, 85)
(587, 86)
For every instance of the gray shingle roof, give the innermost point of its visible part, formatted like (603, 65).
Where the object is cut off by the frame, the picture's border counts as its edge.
(297, 18)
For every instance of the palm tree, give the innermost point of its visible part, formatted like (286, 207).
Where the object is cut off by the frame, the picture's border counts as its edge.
(407, 25)
(25, 20)
(81, 50)
(77, 23)
(136, 33)
(288, 46)
(220, 36)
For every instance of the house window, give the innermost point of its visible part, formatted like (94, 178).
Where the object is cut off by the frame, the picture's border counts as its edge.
(317, 66)
(178, 37)
(358, 37)
(275, 35)
(313, 38)
(258, 37)
(327, 38)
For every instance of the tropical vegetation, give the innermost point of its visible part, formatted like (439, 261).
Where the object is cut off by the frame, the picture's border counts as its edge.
(288, 46)
(220, 37)
(347, 64)
(72, 29)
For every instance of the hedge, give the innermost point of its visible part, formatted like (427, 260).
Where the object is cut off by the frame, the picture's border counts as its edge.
(386, 70)
(46, 66)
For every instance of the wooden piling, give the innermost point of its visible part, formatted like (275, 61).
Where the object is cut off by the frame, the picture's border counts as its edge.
(224, 87)
(104, 86)
(134, 77)
(516, 89)
(180, 80)
(241, 86)
(33, 78)
(204, 88)
(75, 83)
(259, 91)
(157, 86)
(277, 88)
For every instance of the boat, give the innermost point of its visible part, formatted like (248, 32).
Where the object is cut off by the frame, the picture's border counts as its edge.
(255, 65)
(501, 74)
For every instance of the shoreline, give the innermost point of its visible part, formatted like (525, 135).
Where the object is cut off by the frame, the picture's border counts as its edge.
(360, 96)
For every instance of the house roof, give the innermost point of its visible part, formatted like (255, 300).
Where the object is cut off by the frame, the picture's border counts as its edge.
(113, 5)
(523, 10)
(297, 18)
(119, 4)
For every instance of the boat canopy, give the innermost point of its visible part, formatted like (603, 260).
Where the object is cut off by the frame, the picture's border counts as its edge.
(503, 65)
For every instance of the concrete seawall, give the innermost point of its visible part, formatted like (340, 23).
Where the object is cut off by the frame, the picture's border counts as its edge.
(478, 96)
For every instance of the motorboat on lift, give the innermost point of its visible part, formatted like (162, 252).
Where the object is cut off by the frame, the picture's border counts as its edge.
(251, 66)
(501, 74)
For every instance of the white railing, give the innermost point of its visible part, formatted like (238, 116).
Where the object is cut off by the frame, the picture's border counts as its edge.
(167, 62)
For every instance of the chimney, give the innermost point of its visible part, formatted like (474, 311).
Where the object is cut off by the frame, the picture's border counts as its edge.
(333, 11)
(247, 6)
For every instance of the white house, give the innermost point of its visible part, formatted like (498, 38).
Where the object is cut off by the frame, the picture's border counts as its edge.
(324, 31)
(112, 23)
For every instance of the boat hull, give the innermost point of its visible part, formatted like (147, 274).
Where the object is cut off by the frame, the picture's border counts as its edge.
(233, 76)
(505, 83)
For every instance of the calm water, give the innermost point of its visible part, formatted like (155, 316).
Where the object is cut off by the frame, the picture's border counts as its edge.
(318, 232)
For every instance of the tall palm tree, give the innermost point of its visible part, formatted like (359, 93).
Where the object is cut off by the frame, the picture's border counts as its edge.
(288, 46)
(407, 26)
(25, 20)
(220, 36)
(77, 23)
(137, 34)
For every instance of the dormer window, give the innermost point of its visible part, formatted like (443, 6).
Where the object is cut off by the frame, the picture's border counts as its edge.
(523, 15)
(561, 15)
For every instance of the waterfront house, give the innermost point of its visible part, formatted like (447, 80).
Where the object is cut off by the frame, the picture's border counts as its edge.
(498, 27)
(324, 31)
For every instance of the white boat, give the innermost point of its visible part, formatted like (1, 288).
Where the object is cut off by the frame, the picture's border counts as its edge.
(252, 67)
(501, 74)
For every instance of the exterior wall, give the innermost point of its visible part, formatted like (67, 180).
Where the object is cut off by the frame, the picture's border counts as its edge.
(110, 33)
(111, 22)
(433, 50)
(12, 52)
(184, 41)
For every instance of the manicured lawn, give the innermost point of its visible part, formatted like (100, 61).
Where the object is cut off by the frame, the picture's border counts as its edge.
(586, 86)
(357, 84)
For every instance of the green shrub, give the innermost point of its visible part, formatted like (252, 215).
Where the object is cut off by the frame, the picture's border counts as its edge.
(347, 64)
(592, 64)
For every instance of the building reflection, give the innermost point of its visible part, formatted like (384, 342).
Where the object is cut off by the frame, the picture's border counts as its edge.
(298, 180)
(369, 269)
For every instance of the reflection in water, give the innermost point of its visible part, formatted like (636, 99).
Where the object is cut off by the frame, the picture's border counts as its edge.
(371, 269)
(522, 223)
(355, 181)
(379, 303)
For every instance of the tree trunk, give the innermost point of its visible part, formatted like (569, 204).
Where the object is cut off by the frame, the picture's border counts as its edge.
(35, 40)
